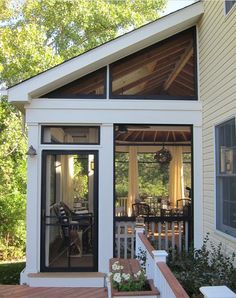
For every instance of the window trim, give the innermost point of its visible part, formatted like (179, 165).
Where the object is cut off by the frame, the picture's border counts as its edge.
(223, 230)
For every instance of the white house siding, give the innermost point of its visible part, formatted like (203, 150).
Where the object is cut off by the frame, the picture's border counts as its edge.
(217, 73)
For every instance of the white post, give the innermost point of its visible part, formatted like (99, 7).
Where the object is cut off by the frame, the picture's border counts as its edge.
(159, 256)
(105, 205)
(138, 246)
(33, 206)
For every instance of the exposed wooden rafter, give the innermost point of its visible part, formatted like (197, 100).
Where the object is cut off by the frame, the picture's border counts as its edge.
(159, 55)
(179, 66)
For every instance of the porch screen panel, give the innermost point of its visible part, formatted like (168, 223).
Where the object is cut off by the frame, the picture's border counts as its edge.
(69, 212)
(89, 86)
(166, 70)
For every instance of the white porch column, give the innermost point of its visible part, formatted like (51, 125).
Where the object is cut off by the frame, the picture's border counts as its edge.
(198, 190)
(33, 206)
(105, 206)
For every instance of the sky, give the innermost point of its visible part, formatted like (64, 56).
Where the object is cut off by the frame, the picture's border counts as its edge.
(173, 5)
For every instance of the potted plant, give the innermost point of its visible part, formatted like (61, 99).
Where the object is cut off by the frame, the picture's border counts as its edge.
(128, 284)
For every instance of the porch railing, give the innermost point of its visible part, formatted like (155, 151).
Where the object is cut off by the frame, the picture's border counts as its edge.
(125, 239)
(164, 234)
(169, 234)
(157, 269)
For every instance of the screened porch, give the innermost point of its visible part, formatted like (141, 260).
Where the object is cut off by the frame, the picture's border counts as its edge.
(153, 183)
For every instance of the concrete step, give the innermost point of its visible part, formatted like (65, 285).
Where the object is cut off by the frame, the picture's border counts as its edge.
(66, 279)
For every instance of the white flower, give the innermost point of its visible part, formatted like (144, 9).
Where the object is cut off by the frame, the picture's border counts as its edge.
(117, 277)
(138, 273)
(126, 276)
(115, 266)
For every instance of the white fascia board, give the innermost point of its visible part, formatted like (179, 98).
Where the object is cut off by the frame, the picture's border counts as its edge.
(105, 54)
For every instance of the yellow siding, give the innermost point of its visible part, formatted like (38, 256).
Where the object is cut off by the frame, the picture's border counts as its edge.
(217, 75)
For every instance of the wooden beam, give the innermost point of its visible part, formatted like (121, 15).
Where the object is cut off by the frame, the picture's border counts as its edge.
(184, 136)
(188, 70)
(184, 85)
(179, 66)
(165, 49)
(133, 64)
(177, 90)
(143, 78)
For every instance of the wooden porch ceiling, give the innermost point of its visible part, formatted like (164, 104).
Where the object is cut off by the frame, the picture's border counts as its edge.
(166, 68)
(148, 134)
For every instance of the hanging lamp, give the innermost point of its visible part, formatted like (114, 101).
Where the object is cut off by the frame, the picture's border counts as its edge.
(163, 156)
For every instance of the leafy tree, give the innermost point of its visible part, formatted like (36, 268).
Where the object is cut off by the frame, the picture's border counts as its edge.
(12, 182)
(56, 30)
(34, 36)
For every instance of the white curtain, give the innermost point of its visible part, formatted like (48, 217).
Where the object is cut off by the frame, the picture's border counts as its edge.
(133, 178)
(176, 183)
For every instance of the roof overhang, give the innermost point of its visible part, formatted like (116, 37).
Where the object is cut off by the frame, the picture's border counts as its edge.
(120, 47)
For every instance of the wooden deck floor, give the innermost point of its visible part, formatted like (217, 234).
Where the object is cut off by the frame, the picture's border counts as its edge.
(27, 292)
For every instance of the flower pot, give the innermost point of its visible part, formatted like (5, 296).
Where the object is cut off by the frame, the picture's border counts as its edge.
(152, 293)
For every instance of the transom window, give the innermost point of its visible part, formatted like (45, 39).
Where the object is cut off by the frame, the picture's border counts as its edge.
(226, 177)
(70, 134)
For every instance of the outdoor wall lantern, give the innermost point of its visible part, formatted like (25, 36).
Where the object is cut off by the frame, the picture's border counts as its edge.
(31, 151)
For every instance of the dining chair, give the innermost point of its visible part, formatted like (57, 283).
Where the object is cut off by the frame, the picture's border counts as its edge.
(71, 233)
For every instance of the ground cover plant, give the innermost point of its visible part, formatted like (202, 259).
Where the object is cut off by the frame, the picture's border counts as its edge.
(208, 266)
(10, 273)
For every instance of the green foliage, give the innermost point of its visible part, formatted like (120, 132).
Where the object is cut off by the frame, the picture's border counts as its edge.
(121, 174)
(12, 182)
(34, 36)
(10, 273)
(153, 177)
(80, 178)
(142, 258)
(208, 266)
(187, 169)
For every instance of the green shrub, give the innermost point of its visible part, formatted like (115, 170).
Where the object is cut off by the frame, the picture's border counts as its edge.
(10, 273)
(203, 267)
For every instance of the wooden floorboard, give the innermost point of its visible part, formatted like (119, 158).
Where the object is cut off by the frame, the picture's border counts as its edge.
(38, 292)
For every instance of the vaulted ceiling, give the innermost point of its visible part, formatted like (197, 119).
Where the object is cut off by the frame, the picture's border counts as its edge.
(166, 68)
(163, 70)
